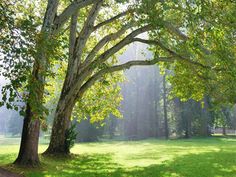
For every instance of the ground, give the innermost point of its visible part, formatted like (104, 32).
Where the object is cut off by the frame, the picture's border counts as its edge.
(199, 157)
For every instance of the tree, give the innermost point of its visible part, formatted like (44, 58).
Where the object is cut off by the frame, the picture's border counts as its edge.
(165, 107)
(87, 67)
(34, 111)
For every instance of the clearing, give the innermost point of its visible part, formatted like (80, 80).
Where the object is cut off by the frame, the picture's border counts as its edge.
(198, 157)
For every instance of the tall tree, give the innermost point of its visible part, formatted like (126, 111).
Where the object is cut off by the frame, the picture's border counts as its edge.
(50, 27)
(167, 37)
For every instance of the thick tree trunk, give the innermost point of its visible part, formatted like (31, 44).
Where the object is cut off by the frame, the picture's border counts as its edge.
(61, 124)
(28, 154)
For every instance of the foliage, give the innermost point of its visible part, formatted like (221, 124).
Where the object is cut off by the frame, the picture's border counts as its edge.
(200, 35)
(210, 39)
(70, 137)
(17, 48)
(21, 43)
(101, 100)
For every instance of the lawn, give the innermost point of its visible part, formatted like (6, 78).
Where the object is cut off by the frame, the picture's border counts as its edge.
(208, 157)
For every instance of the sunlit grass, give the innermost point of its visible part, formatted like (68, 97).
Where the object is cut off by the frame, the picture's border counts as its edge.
(209, 157)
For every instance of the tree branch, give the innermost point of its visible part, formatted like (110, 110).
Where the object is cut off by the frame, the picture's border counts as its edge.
(104, 41)
(103, 57)
(69, 11)
(127, 40)
(171, 52)
(86, 31)
(120, 67)
(112, 19)
(72, 39)
(175, 30)
(183, 36)
(81, 40)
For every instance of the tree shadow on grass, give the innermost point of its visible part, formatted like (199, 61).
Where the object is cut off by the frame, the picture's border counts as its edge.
(208, 164)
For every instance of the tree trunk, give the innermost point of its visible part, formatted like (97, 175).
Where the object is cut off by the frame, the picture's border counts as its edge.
(28, 154)
(61, 124)
(188, 128)
(224, 130)
(165, 108)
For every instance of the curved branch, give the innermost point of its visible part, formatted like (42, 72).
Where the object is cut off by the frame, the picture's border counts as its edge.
(104, 41)
(120, 67)
(127, 40)
(106, 55)
(175, 30)
(171, 52)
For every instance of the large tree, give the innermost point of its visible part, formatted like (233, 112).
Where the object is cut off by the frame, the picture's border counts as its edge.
(174, 30)
(13, 47)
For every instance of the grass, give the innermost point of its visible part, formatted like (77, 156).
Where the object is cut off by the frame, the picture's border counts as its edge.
(208, 157)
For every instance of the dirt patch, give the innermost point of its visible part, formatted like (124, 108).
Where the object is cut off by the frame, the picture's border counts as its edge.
(6, 173)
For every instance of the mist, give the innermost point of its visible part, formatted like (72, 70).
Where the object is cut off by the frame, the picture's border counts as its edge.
(142, 109)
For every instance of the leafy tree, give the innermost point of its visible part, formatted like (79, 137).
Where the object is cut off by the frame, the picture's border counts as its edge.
(34, 47)
(196, 37)
(174, 29)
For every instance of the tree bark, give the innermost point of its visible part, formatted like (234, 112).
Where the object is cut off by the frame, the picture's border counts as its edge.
(28, 154)
(61, 124)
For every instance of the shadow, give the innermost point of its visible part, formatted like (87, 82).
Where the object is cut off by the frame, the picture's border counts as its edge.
(210, 157)
(209, 164)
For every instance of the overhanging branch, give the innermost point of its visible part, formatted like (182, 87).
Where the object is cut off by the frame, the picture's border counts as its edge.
(171, 52)
(120, 67)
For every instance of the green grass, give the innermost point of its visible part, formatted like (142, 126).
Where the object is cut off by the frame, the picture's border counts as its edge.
(209, 157)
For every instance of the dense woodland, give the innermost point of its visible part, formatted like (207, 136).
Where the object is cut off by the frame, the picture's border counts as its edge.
(67, 70)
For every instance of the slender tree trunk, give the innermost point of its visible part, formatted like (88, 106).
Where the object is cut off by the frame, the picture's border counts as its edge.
(224, 130)
(188, 128)
(165, 108)
(28, 154)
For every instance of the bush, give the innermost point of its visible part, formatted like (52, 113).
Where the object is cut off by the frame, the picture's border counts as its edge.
(70, 137)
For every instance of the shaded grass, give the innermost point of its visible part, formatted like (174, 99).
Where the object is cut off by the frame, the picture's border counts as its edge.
(209, 157)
